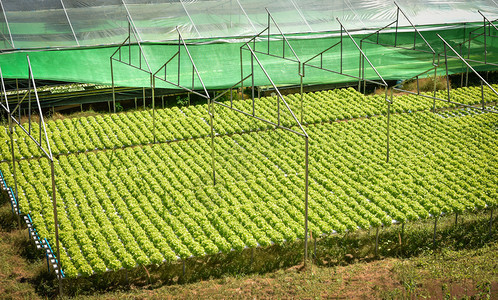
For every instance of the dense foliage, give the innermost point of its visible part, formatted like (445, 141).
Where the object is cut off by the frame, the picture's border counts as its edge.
(124, 206)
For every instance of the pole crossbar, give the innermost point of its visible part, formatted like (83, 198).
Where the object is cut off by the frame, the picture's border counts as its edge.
(285, 43)
(395, 45)
(474, 34)
(195, 72)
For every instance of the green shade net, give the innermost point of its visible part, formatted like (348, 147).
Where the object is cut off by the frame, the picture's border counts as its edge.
(219, 63)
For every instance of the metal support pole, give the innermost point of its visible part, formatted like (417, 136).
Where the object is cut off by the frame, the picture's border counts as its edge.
(143, 95)
(359, 74)
(396, 33)
(363, 74)
(153, 84)
(136, 106)
(456, 219)
(252, 84)
(447, 77)
(113, 92)
(376, 241)
(388, 124)
(11, 133)
(434, 235)
(468, 57)
(341, 53)
(211, 117)
(29, 102)
(56, 223)
(482, 95)
(435, 86)
(241, 75)
(306, 202)
(418, 87)
(302, 99)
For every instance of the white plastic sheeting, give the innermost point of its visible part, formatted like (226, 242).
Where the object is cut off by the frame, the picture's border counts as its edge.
(70, 23)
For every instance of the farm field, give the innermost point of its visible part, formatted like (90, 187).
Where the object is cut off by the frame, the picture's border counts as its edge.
(124, 202)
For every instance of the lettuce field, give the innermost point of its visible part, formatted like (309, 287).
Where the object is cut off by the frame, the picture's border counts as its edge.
(124, 201)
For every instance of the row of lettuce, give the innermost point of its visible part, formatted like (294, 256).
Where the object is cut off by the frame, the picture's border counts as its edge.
(141, 205)
(109, 131)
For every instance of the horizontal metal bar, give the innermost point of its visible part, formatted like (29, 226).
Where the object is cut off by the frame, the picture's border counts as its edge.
(261, 119)
(361, 51)
(415, 28)
(34, 140)
(125, 63)
(351, 76)
(233, 86)
(120, 46)
(166, 63)
(378, 31)
(273, 55)
(282, 34)
(278, 92)
(466, 63)
(182, 87)
(322, 52)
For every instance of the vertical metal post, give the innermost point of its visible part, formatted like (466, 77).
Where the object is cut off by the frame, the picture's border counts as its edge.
(435, 86)
(418, 87)
(143, 95)
(136, 106)
(268, 33)
(306, 201)
(241, 75)
(468, 57)
(387, 134)
(302, 99)
(17, 87)
(153, 84)
(447, 77)
(341, 53)
(179, 52)
(113, 92)
(456, 219)
(485, 48)
(396, 32)
(129, 42)
(211, 117)
(11, 131)
(54, 203)
(363, 74)
(29, 102)
(252, 84)
(359, 73)
(482, 95)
